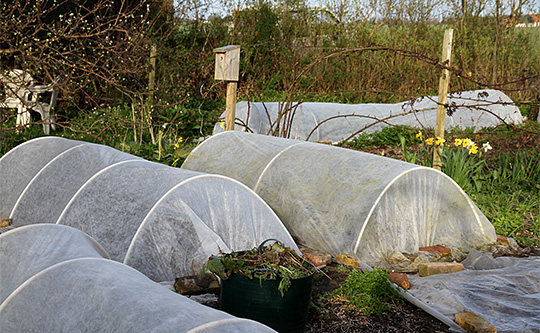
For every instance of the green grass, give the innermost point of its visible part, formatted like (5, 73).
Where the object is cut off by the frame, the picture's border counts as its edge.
(370, 292)
(388, 136)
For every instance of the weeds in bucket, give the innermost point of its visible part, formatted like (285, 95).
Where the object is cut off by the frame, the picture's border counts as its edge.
(264, 263)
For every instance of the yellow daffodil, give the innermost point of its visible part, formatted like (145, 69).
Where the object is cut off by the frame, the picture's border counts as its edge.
(439, 141)
(467, 142)
(180, 140)
(176, 145)
(222, 124)
(473, 149)
(419, 135)
(458, 142)
(429, 141)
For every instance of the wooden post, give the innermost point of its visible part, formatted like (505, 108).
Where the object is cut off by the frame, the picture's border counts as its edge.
(151, 88)
(444, 80)
(230, 106)
(227, 68)
(152, 75)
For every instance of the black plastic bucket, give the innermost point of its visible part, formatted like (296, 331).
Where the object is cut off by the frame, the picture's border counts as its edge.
(260, 300)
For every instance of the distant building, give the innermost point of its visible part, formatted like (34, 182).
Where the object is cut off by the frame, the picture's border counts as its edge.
(529, 20)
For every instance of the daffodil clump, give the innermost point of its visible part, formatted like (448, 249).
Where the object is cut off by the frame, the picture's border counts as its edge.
(467, 143)
(461, 160)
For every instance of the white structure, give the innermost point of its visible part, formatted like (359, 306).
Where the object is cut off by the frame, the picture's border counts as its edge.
(57, 279)
(344, 201)
(163, 221)
(335, 122)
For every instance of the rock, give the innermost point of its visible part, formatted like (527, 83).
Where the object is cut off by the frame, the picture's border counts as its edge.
(196, 285)
(315, 257)
(407, 262)
(401, 279)
(513, 245)
(473, 323)
(427, 257)
(347, 259)
(398, 258)
(457, 255)
(432, 268)
(439, 249)
(4, 222)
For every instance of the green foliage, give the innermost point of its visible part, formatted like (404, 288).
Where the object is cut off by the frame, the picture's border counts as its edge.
(407, 155)
(269, 263)
(521, 168)
(388, 136)
(512, 214)
(510, 199)
(371, 292)
(463, 165)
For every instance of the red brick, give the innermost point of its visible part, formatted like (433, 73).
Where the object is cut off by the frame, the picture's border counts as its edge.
(315, 257)
(400, 278)
(441, 250)
(502, 240)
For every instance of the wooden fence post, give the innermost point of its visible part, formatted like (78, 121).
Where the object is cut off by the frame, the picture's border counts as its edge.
(227, 68)
(151, 87)
(152, 74)
(444, 80)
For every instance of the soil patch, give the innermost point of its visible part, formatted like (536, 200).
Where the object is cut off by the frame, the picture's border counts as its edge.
(337, 315)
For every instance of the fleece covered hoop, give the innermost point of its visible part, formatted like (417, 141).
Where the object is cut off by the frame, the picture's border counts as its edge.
(163, 221)
(335, 122)
(344, 201)
(57, 279)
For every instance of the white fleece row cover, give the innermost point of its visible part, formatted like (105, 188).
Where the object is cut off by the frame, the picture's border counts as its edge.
(504, 291)
(345, 201)
(55, 278)
(336, 122)
(163, 221)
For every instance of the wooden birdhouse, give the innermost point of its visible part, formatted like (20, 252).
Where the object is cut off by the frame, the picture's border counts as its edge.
(227, 62)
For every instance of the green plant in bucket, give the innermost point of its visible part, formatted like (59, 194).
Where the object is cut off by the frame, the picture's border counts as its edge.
(270, 262)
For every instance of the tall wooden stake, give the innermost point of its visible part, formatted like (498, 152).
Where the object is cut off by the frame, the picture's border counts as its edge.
(227, 68)
(444, 80)
(151, 88)
(230, 106)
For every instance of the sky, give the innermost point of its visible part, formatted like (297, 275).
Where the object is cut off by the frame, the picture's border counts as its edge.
(218, 8)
